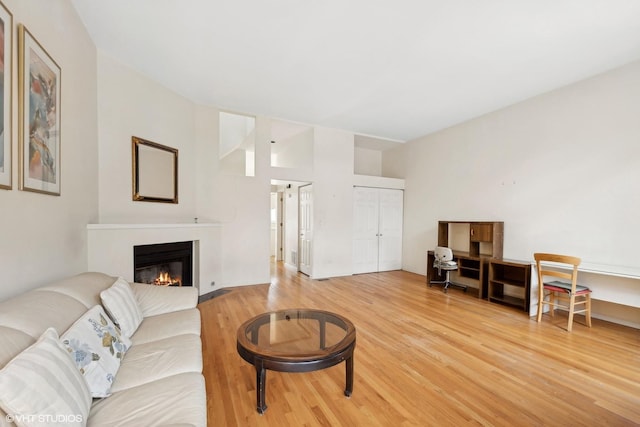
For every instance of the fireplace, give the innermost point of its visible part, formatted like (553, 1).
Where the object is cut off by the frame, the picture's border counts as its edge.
(164, 264)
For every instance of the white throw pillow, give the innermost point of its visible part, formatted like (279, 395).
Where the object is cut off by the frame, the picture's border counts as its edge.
(122, 306)
(42, 386)
(97, 347)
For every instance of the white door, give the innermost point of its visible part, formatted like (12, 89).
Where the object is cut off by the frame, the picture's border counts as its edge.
(305, 197)
(273, 225)
(365, 227)
(377, 224)
(390, 229)
(280, 248)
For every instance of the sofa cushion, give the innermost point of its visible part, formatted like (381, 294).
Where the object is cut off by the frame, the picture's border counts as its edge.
(122, 306)
(175, 400)
(83, 287)
(155, 360)
(41, 386)
(167, 325)
(12, 343)
(57, 305)
(154, 300)
(25, 317)
(33, 312)
(97, 347)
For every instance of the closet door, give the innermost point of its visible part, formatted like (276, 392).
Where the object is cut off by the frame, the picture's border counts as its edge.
(391, 204)
(377, 224)
(365, 227)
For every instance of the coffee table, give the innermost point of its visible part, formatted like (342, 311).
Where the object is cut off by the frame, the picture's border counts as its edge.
(296, 340)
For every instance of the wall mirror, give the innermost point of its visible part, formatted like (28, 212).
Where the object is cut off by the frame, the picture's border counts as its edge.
(155, 172)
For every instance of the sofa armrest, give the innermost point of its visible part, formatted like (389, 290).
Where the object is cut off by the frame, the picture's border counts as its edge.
(154, 300)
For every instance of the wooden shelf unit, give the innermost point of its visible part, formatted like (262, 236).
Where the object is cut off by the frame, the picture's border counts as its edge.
(472, 265)
(510, 282)
(491, 233)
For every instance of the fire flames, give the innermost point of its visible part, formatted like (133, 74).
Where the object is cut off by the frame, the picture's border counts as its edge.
(164, 279)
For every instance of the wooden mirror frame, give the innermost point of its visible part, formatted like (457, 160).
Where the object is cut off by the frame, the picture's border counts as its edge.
(151, 182)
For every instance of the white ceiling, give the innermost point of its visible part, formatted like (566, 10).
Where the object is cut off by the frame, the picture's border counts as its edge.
(395, 69)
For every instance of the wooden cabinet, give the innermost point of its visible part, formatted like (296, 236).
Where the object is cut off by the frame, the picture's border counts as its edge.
(481, 232)
(485, 238)
(509, 283)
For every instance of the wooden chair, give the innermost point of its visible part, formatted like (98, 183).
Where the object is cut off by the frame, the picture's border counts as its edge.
(560, 293)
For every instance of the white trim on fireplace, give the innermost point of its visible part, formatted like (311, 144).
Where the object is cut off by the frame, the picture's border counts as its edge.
(140, 226)
(110, 248)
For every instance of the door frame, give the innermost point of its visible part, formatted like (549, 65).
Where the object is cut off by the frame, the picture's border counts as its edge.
(301, 242)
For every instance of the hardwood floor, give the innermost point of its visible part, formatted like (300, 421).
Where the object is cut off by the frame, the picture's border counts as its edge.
(423, 358)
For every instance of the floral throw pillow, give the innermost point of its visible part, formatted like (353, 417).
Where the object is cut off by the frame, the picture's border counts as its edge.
(97, 347)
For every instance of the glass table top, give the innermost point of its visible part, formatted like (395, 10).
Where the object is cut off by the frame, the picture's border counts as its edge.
(296, 332)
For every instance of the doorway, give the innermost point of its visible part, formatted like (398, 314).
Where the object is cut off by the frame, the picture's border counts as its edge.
(277, 225)
(285, 217)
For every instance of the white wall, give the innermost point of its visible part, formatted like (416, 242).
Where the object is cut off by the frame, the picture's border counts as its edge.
(129, 104)
(332, 203)
(43, 236)
(234, 129)
(296, 151)
(239, 203)
(561, 170)
(367, 162)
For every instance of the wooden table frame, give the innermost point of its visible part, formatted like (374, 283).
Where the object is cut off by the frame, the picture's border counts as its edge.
(263, 359)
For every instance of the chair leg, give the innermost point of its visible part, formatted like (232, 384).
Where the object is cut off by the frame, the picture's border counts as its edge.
(541, 303)
(447, 283)
(572, 306)
(587, 313)
(440, 282)
(552, 303)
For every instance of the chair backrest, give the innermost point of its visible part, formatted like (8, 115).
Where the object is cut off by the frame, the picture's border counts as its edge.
(442, 253)
(560, 261)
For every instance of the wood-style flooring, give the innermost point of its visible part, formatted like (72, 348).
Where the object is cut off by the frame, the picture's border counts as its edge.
(423, 358)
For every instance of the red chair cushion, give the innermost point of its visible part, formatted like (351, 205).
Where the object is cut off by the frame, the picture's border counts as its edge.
(557, 286)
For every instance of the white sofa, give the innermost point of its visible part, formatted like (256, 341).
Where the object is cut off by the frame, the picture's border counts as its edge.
(159, 382)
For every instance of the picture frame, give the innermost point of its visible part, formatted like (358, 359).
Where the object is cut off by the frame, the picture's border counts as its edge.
(39, 86)
(6, 44)
(155, 171)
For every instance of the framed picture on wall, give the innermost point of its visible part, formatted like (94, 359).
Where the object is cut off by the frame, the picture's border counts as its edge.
(6, 41)
(155, 171)
(39, 116)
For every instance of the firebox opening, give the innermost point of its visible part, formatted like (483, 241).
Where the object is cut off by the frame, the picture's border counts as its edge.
(165, 264)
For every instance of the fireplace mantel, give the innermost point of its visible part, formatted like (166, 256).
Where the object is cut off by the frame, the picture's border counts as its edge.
(111, 248)
(145, 226)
